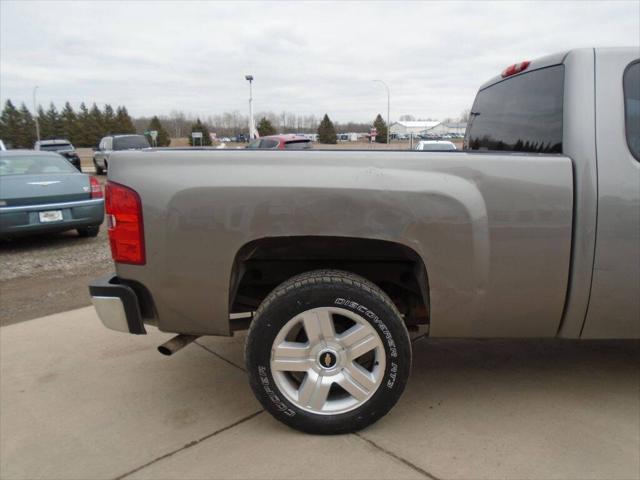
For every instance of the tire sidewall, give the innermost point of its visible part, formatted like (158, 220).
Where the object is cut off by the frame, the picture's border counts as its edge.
(365, 303)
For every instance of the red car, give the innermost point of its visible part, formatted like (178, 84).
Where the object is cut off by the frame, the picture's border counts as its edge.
(281, 142)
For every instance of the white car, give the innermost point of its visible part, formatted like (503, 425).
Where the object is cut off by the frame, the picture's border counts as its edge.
(435, 145)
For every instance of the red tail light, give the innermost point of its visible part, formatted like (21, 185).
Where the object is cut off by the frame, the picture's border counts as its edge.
(126, 229)
(515, 68)
(96, 188)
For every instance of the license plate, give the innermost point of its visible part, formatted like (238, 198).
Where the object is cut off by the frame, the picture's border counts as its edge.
(50, 216)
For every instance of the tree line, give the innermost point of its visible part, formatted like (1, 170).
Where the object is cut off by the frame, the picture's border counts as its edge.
(86, 126)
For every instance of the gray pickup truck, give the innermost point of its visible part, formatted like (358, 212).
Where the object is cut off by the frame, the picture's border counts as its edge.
(331, 258)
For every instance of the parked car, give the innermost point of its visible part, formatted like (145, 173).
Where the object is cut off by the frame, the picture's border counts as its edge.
(114, 143)
(281, 142)
(331, 257)
(42, 192)
(239, 139)
(435, 146)
(62, 147)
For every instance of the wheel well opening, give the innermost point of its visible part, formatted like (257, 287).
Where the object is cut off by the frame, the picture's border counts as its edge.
(263, 264)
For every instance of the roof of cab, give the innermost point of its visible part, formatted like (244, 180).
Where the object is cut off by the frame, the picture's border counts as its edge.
(542, 62)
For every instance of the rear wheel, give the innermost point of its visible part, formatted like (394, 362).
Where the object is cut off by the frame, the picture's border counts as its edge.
(89, 231)
(99, 170)
(328, 353)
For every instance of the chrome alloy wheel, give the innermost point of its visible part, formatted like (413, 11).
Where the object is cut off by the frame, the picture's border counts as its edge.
(328, 360)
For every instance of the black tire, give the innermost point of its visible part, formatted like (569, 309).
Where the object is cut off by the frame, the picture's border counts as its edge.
(99, 170)
(89, 231)
(327, 288)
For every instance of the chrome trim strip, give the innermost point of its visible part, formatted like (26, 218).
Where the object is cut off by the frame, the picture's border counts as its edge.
(53, 206)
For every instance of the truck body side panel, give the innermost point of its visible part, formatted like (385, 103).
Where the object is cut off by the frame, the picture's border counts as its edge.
(493, 230)
(614, 307)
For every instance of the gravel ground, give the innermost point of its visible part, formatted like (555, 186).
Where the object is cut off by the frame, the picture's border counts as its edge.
(46, 274)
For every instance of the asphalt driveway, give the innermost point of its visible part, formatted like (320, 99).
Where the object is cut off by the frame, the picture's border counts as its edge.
(80, 401)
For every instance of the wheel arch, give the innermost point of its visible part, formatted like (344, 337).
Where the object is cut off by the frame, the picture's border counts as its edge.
(262, 264)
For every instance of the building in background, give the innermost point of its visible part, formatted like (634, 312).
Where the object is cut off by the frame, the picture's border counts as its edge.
(407, 128)
(448, 128)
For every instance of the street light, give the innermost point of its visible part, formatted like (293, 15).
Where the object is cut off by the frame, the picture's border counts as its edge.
(388, 107)
(35, 113)
(249, 78)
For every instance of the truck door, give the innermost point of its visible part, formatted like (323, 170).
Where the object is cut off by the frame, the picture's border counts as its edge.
(614, 306)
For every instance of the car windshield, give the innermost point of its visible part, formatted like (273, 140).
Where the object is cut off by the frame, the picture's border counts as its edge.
(437, 147)
(298, 145)
(54, 147)
(33, 165)
(130, 142)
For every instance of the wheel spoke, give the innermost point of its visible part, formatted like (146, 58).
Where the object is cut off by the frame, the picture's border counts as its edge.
(354, 335)
(360, 375)
(352, 387)
(318, 325)
(291, 357)
(360, 342)
(314, 391)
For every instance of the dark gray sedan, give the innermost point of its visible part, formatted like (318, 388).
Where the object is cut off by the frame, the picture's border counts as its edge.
(42, 192)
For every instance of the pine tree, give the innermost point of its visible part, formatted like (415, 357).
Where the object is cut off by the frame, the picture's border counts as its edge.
(109, 122)
(326, 131)
(53, 120)
(265, 127)
(83, 139)
(381, 127)
(94, 126)
(123, 121)
(163, 139)
(27, 132)
(68, 123)
(46, 131)
(200, 127)
(10, 125)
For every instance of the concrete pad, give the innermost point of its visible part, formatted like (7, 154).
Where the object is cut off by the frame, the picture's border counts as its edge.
(81, 401)
(231, 348)
(263, 448)
(519, 409)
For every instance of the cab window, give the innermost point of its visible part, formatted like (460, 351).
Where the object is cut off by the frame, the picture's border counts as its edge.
(519, 114)
(631, 84)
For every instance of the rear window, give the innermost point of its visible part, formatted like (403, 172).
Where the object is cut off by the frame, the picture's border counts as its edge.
(298, 145)
(520, 114)
(33, 165)
(631, 83)
(132, 142)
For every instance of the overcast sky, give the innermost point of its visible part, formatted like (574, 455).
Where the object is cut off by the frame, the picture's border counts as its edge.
(306, 57)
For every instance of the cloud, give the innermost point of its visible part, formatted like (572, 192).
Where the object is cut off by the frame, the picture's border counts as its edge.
(306, 57)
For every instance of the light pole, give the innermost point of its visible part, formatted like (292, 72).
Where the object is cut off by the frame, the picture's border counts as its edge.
(35, 113)
(388, 107)
(249, 78)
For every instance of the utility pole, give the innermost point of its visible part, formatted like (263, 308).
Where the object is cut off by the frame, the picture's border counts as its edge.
(249, 78)
(388, 107)
(35, 113)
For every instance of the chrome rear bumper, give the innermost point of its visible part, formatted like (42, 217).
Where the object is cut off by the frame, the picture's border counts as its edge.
(117, 305)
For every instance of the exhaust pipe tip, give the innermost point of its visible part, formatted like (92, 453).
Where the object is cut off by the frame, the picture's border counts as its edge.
(165, 351)
(176, 343)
